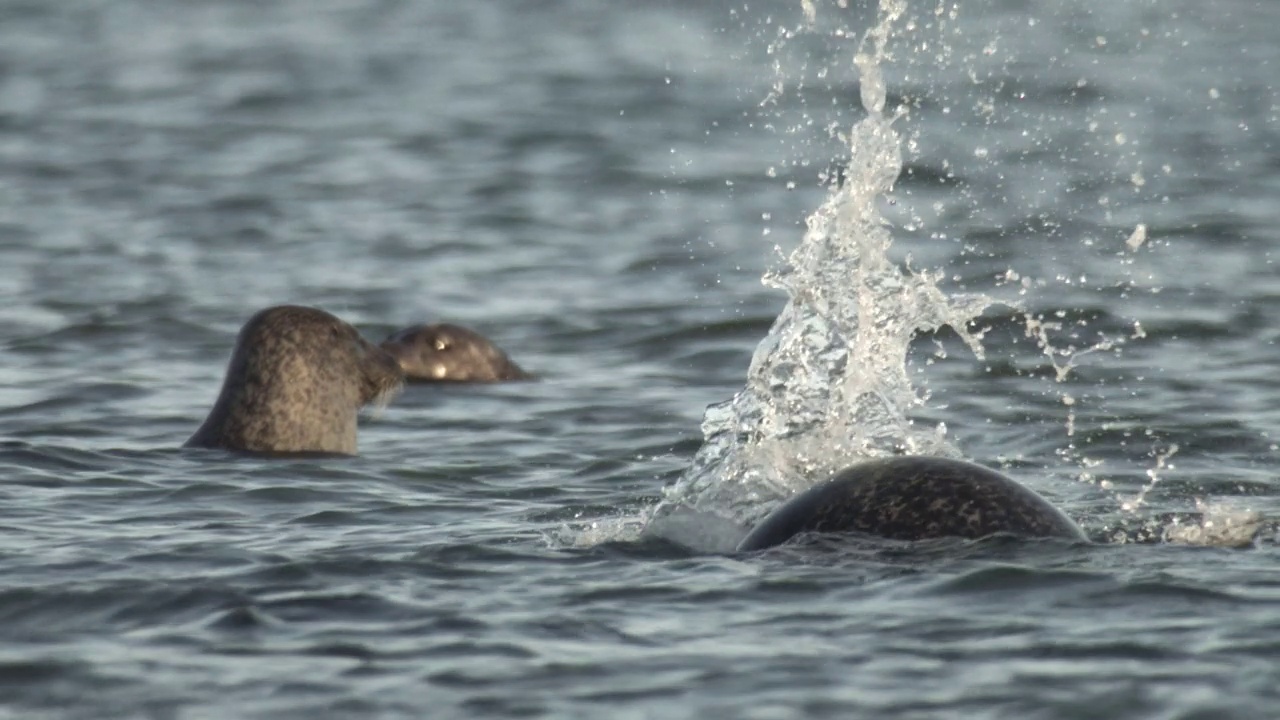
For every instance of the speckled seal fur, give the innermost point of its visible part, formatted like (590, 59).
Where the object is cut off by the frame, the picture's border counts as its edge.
(450, 353)
(914, 498)
(296, 382)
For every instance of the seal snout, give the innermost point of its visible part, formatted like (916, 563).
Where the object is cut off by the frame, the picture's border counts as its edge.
(398, 353)
(384, 376)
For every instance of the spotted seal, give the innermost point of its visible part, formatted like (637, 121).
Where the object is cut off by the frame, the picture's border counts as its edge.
(914, 498)
(450, 353)
(296, 382)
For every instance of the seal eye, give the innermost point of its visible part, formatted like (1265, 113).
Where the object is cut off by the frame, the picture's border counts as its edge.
(443, 343)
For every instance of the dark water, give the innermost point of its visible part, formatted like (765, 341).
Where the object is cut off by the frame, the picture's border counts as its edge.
(598, 187)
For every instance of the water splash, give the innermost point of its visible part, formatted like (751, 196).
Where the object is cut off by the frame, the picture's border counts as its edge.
(1217, 524)
(828, 385)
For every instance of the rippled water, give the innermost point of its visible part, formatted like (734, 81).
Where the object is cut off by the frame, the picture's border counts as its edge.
(599, 187)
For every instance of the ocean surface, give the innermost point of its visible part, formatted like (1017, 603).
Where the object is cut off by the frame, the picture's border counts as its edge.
(1088, 188)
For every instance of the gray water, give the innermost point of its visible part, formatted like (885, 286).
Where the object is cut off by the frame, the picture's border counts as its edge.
(600, 187)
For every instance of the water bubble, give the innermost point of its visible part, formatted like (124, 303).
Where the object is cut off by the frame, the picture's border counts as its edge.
(1137, 237)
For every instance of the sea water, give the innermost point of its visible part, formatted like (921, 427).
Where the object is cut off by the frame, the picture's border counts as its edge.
(1084, 213)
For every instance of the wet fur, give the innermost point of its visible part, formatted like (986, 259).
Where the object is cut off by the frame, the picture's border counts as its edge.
(450, 353)
(296, 382)
(914, 498)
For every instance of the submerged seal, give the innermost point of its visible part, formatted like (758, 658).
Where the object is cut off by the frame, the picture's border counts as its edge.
(914, 498)
(296, 382)
(450, 353)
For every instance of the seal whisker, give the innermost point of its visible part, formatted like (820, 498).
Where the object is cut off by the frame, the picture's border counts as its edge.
(384, 397)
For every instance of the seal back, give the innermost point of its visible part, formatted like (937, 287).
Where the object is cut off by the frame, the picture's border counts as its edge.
(914, 498)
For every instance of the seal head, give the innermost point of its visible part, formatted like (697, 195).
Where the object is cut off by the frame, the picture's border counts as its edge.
(915, 498)
(296, 382)
(450, 353)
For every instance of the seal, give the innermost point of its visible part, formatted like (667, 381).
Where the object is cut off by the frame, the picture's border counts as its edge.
(450, 353)
(296, 382)
(914, 498)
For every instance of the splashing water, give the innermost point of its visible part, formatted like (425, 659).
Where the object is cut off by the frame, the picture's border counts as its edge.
(1220, 524)
(828, 385)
